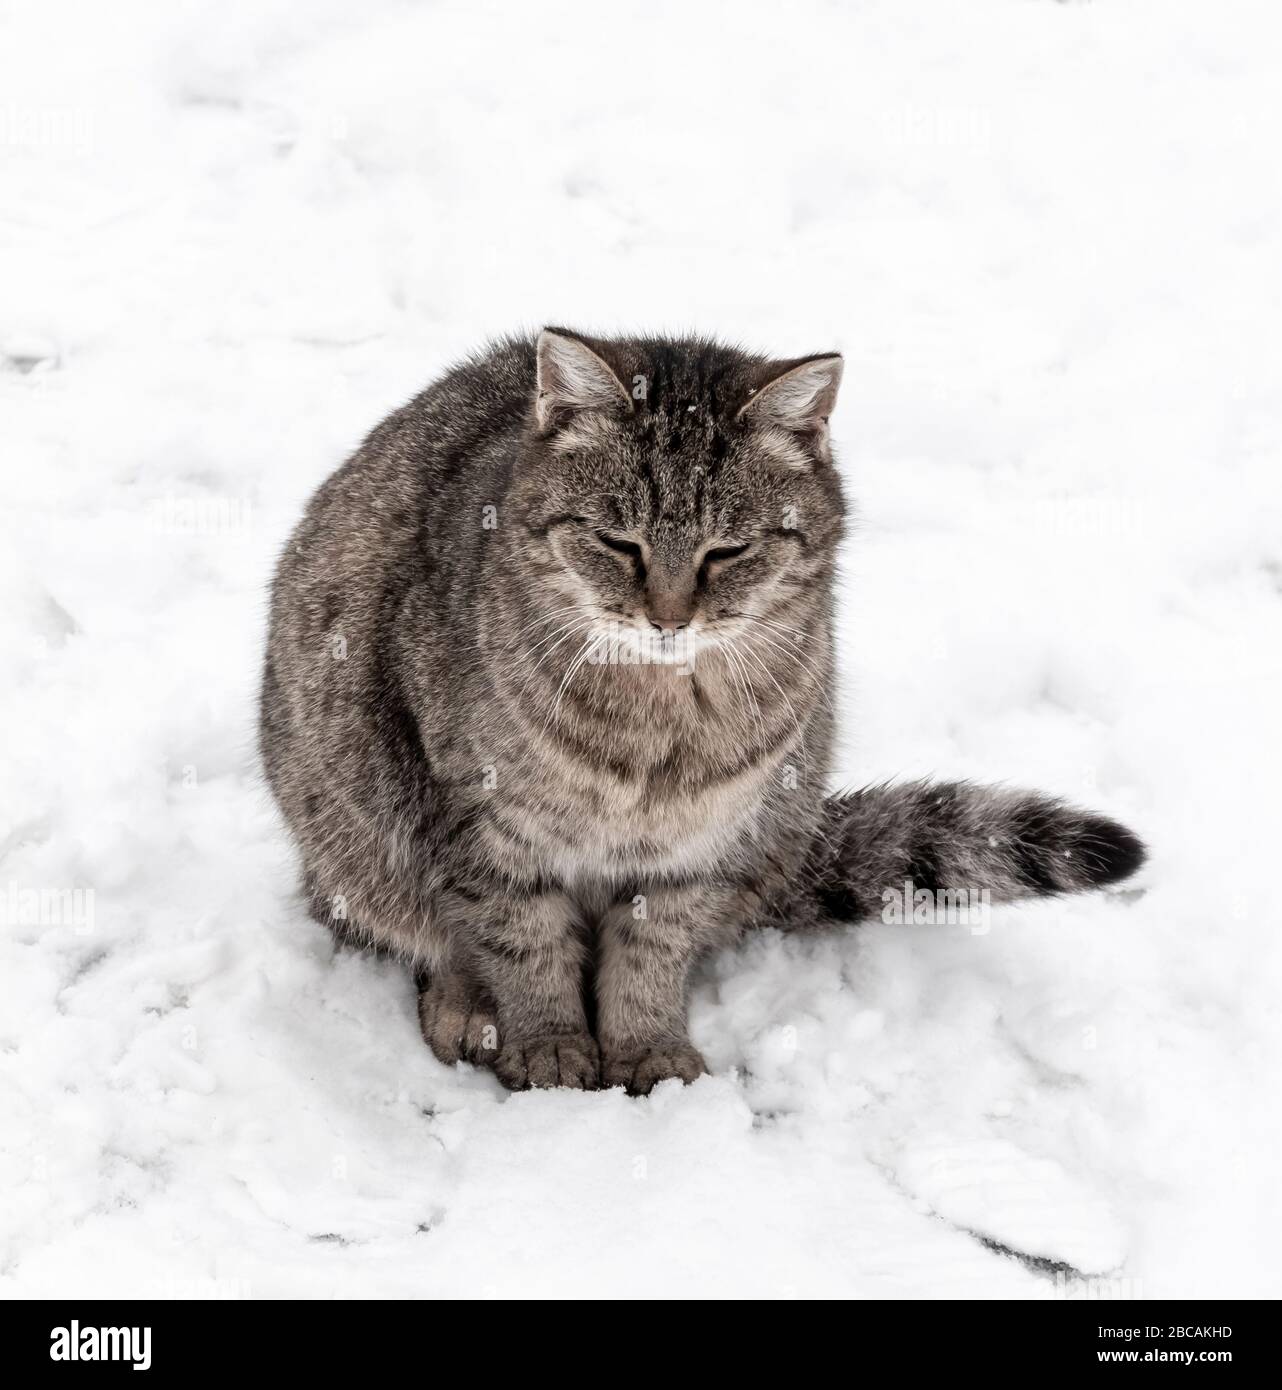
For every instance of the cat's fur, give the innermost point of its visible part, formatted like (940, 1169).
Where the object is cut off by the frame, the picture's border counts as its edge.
(539, 726)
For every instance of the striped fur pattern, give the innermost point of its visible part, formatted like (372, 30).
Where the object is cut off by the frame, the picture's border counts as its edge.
(949, 837)
(546, 702)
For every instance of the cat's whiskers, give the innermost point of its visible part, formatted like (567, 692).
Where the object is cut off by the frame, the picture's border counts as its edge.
(576, 664)
(769, 675)
(570, 613)
(736, 666)
(568, 631)
(509, 643)
(785, 648)
(817, 677)
(794, 634)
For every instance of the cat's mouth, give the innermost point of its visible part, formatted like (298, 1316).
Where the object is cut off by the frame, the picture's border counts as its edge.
(617, 641)
(614, 640)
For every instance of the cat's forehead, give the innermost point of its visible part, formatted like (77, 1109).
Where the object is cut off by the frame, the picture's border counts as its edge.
(681, 462)
(674, 469)
(682, 455)
(672, 379)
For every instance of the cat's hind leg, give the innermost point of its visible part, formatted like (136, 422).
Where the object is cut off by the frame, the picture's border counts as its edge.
(458, 1019)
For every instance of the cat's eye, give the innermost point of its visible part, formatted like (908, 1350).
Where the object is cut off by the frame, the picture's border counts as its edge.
(725, 552)
(621, 546)
(617, 543)
(720, 555)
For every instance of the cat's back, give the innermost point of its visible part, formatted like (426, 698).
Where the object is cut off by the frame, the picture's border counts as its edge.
(389, 521)
(461, 425)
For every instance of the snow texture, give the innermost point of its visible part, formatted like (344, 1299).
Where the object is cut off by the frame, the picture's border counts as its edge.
(1048, 239)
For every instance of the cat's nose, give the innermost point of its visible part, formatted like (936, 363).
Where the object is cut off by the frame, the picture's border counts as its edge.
(669, 610)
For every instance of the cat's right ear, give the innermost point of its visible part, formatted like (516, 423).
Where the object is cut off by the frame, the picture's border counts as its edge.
(571, 377)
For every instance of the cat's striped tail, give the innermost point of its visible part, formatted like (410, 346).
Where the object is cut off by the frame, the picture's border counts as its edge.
(990, 844)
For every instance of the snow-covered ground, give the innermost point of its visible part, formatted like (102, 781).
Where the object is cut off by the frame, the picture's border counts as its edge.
(1048, 238)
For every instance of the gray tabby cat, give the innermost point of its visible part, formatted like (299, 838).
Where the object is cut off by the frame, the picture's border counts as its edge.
(547, 703)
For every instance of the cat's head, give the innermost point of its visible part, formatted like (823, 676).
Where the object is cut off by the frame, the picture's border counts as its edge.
(678, 485)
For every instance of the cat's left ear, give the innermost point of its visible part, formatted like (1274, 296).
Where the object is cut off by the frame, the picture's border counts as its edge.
(572, 377)
(798, 397)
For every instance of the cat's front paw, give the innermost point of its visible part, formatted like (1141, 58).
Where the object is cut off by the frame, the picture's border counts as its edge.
(566, 1059)
(639, 1070)
(458, 1023)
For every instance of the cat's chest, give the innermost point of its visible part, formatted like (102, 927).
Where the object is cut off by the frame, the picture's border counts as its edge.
(660, 818)
(665, 785)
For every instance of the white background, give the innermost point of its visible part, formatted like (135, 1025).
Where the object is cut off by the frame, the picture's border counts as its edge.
(1048, 238)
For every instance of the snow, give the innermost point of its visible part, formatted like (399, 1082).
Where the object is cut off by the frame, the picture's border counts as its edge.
(1048, 239)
